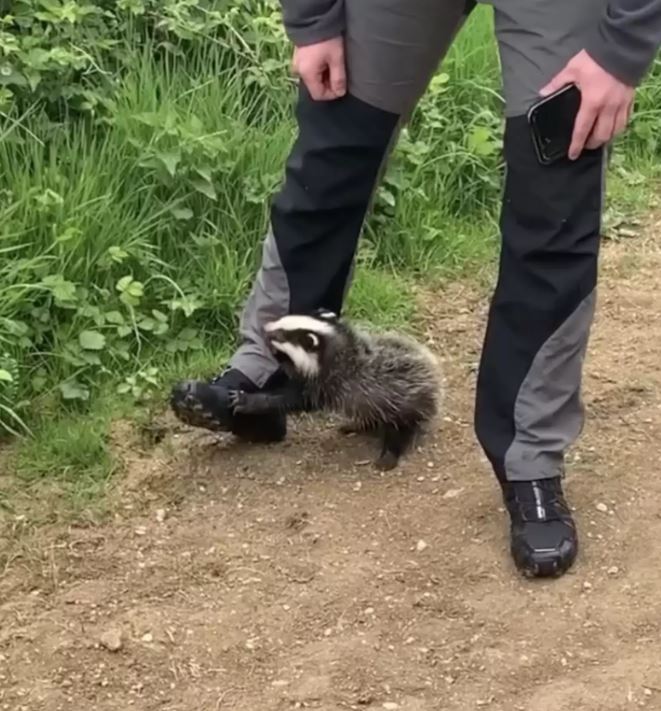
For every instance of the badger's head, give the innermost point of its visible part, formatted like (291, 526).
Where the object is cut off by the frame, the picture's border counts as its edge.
(302, 344)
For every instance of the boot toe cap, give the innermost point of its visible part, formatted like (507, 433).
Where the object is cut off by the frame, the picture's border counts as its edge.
(544, 549)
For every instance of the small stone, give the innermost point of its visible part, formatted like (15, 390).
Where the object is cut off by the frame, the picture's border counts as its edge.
(148, 637)
(420, 546)
(613, 570)
(140, 531)
(452, 493)
(279, 683)
(111, 639)
(647, 692)
(369, 610)
(390, 706)
(328, 632)
(160, 515)
(601, 507)
(587, 585)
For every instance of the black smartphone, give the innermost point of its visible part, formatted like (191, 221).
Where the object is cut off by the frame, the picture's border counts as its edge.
(552, 123)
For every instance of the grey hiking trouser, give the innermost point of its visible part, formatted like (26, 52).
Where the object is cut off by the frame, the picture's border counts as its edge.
(528, 406)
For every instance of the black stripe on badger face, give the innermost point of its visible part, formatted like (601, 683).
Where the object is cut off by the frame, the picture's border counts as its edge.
(298, 342)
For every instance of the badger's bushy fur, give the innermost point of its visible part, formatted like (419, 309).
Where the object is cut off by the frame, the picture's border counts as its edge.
(375, 379)
(386, 383)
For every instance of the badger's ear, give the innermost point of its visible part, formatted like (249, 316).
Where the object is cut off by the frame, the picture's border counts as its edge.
(312, 341)
(326, 315)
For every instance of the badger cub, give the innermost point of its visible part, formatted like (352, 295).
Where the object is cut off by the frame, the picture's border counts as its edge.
(386, 384)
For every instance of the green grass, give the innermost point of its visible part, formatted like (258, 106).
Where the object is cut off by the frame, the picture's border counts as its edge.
(144, 229)
(72, 450)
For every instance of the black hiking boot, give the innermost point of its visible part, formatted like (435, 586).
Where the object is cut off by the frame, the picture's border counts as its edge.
(206, 404)
(544, 542)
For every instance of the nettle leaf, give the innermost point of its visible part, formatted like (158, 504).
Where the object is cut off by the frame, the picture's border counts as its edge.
(6, 376)
(146, 324)
(387, 197)
(68, 234)
(481, 141)
(114, 317)
(182, 213)
(205, 187)
(135, 289)
(123, 283)
(74, 390)
(9, 75)
(135, 7)
(188, 304)
(131, 290)
(117, 254)
(64, 291)
(92, 340)
(204, 172)
(48, 199)
(91, 357)
(170, 159)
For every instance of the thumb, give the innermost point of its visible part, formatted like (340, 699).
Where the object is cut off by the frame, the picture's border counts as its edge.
(338, 74)
(560, 80)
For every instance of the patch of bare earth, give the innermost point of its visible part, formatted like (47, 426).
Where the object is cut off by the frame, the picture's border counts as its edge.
(296, 576)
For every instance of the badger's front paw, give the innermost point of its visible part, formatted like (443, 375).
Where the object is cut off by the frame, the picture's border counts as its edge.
(386, 461)
(237, 400)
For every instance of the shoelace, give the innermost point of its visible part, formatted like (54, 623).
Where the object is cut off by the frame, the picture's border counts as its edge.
(539, 501)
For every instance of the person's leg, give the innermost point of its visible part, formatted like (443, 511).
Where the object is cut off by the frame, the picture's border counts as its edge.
(392, 49)
(528, 404)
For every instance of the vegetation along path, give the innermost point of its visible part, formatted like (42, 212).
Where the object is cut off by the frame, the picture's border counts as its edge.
(295, 576)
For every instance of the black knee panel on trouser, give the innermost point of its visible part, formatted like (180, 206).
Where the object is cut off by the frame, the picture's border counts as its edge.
(528, 407)
(317, 216)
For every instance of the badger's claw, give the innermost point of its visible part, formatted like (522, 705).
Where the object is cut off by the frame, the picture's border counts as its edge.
(237, 400)
(386, 461)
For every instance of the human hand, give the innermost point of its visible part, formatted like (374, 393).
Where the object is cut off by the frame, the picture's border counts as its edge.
(606, 102)
(321, 67)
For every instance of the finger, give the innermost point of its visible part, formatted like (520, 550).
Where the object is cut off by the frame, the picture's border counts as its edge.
(582, 129)
(602, 131)
(338, 76)
(293, 65)
(559, 80)
(314, 82)
(621, 120)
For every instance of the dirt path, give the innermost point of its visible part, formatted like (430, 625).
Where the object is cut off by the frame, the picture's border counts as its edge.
(297, 577)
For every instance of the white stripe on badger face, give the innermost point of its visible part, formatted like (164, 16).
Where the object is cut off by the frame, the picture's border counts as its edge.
(305, 363)
(300, 323)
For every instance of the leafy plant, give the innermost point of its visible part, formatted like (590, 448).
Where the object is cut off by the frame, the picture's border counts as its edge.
(140, 143)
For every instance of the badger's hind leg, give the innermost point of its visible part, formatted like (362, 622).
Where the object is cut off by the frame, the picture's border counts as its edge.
(395, 442)
(353, 427)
